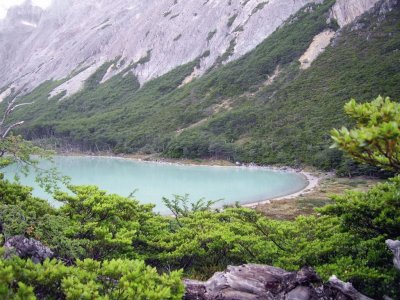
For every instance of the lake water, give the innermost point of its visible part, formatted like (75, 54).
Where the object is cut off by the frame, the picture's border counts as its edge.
(152, 180)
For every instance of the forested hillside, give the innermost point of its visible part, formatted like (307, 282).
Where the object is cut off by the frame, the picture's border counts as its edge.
(260, 108)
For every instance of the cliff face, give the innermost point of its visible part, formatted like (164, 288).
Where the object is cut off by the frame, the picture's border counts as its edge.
(154, 36)
(74, 38)
(346, 11)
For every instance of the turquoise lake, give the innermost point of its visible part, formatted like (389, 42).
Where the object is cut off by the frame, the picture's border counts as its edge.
(152, 180)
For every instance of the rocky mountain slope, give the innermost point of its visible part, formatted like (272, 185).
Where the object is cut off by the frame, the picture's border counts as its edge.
(248, 105)
(153, 37)
(149, 38)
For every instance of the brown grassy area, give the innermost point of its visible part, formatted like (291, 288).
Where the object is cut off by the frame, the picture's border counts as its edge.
(304, 204)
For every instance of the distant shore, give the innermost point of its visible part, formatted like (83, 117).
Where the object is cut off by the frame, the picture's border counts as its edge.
(154, 158)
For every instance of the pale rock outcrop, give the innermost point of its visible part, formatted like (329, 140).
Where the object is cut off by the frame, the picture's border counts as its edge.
(318, 45)
(394, 246)
(5, 94)
(73, 85)
(346, 11)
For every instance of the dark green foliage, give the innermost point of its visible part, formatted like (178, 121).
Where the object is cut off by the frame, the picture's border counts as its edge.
(370, 214)
(143, 59)
(181, 206)
(376, 138)
(211, 35)
(114, 279)
(228, 52)
(259, 6)
(93, 81)
(177, 37)
(231, 20)
(106, 224)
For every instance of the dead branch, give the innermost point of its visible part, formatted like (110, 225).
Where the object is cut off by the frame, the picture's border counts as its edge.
(7, 131)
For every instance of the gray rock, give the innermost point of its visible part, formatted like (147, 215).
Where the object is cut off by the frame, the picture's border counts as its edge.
(299, 293)
(346, 289)
(27, 248)
(251, 282)
(346, 11)
(394, 246)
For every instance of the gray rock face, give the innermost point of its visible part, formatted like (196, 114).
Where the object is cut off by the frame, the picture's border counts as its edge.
(27, 248)
(72, 38)
(346, 11)
(394, 246)
(74, 34)
(387, 6)
(251, 282)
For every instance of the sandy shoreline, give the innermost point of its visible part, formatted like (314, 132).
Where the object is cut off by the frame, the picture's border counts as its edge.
(311, 178)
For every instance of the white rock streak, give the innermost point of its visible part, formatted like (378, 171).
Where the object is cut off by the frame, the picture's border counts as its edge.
(318, 45)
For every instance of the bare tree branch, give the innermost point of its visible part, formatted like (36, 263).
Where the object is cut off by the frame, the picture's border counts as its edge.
(3, 136)
(19, 105)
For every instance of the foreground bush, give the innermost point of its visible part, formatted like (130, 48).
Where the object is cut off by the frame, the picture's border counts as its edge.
(88, 279)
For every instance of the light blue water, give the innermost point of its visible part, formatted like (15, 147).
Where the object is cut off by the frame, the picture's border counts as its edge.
(154, 180)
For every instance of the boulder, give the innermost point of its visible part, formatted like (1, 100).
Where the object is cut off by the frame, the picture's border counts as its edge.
(394, 246)
(27, 248)
(344, 289)
(251, 282)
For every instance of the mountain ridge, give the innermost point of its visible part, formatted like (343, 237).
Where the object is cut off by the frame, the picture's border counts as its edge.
(74, 35)
(74, 38)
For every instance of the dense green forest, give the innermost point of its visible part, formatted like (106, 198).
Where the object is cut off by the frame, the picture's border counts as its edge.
(231, 112)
